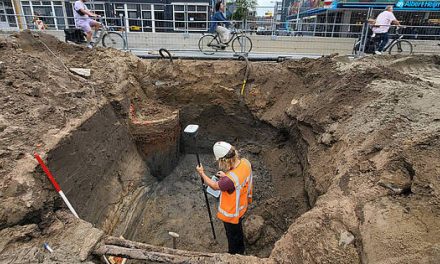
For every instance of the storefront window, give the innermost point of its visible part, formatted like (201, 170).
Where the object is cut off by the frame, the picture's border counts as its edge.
(7, 15)
(146, 21)
(60, 17)
(2, 14)
(196, 16)
(159, 17)
(50, 12)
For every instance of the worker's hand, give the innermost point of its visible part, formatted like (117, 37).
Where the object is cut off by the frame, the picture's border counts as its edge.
(200, 169)
(220, 174)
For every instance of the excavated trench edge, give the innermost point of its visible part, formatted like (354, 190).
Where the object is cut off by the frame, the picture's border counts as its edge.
(106, 126)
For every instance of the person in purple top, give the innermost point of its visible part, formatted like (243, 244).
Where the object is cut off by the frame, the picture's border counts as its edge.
(83, 21)
(219, 23)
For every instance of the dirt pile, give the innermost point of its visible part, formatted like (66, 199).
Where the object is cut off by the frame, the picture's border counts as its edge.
(358, 139)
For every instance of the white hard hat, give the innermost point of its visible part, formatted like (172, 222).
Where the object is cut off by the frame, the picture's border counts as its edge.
(220, 149)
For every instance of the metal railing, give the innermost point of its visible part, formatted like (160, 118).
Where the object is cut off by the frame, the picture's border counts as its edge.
(268, 36)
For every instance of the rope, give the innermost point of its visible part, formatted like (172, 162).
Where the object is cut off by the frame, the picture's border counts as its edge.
(94, 95)
(44, 44)
(246, 74)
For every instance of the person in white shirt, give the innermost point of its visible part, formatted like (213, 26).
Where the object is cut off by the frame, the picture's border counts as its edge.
(83, 21)
(383, 22)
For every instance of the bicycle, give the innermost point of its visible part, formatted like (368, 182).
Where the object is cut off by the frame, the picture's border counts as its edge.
(107, 37)
(396, 46)
(211, 43)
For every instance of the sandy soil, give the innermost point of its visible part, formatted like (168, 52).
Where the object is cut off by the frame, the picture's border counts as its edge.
(356, 142)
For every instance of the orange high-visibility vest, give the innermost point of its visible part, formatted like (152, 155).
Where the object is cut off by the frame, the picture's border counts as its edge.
(232, 206)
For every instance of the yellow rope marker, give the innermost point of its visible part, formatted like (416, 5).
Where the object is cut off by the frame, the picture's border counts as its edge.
(246, 74)
(242, 87)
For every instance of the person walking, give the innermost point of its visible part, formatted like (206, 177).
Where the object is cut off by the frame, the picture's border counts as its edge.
(383, 22)
(235, 185)
(219, 23)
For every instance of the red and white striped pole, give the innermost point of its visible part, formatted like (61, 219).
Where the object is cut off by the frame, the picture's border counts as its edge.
(55, 184)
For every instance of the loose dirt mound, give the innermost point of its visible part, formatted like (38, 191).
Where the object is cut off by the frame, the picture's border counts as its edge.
(367, 134)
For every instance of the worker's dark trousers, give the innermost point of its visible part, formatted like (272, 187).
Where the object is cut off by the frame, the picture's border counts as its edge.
(382, 39)
(234, 233)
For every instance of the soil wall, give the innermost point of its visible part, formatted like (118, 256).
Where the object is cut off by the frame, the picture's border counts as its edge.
(114, 167)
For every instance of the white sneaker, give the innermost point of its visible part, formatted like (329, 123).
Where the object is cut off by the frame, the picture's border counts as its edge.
(378, 52)
(90, 46)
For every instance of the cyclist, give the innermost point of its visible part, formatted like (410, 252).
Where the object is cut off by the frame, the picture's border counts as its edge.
(383, 22)
(218, 20)
(83, 21)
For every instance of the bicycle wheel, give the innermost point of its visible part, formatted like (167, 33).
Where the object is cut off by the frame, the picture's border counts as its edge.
(242, 44)
(403, 47)
(208, 44)
(113, 40)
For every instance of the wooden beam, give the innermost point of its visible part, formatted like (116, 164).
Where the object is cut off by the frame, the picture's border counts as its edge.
(110, 240)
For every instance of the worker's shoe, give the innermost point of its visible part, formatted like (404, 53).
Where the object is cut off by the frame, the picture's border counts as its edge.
(378, 52)
(90, 45)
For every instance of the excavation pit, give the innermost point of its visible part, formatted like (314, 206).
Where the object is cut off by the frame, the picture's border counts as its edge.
(156, 163)
(344, 154)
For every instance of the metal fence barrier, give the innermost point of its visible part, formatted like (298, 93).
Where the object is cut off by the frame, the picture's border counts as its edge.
(293, 37)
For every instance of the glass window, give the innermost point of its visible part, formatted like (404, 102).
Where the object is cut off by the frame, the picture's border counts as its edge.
(159, 7)
(197, 16)
(2, 15)
(160, 25)
(45, 13)
(179, 17)
(27, 11)
(146, 7)
(132, 14)
(146, 24)
(179, 8)
(132, 6)
(47, 3)
(146, 15)
(58, 3)
(201, 8)
(34, 3)
(25, 3)
(43, 10)
(120, 14)
(119, 6)
(99, 6)
(60, 17)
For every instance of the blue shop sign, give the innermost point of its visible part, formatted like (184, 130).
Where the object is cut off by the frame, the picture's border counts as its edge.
(418, 4)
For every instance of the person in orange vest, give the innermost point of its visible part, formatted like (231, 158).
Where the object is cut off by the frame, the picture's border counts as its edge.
(235, 185)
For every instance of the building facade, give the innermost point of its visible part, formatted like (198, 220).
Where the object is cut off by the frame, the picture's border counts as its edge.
(345, 17)
(135, 15)
(409, 12)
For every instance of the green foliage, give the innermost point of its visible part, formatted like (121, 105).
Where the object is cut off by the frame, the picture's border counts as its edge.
(242, 8)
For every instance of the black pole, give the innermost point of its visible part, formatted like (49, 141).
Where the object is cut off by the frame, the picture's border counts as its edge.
(204, 192)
